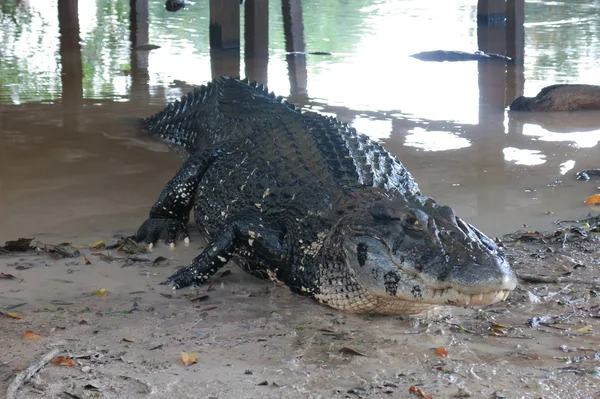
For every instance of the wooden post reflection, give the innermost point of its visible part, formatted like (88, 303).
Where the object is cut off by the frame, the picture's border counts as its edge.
(70, 53)
(491, 38)
(256, 40)
(70, 62)
(293, 29)
(492, 73)
(138, 25)
(225, 62)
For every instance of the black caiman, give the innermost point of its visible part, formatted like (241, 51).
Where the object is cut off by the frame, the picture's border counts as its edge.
(561, 97)
(457, 56)
(304, 200)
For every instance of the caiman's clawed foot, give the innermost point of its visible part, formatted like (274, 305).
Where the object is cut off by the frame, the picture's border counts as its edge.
(169, 230)
(205, 265)
(182, 278)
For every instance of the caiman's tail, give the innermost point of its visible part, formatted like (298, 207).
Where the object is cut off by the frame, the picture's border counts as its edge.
(176, 123)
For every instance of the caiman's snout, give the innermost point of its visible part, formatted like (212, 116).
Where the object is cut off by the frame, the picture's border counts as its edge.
(417, 250)
(476, 270)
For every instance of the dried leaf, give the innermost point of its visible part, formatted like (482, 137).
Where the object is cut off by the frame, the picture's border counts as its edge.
(225, 273)
(496, 332)
(19, 245)
(159, 260)
(86, 261)
(199, 298)
(585, 329)
(62, 360)
(7, 276)
(104, 257)
(101, 291)
(57, 252)
(31, 335)
(96, 245)
(128, 339)
(58, 302)
(210, 286)
(350, 351)
(441, 351)
(14, 315)
(419, 392)
(188, 358)
(594, 200)
(129, 245)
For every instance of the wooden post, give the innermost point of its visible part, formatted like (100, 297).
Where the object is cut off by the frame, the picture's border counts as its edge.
(138, 25)
(224, 29)
(491, 12)
(515, 30)
(293, 27)
(70, 60)
(256, 40)
(138, 18)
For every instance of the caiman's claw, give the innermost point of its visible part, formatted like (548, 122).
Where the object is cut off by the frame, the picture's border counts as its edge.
(169, 230)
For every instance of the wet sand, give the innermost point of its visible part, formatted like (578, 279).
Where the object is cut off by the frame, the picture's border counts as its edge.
(255, 339)
(74, 168)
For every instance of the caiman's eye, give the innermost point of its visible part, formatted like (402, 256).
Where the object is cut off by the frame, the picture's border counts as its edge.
(410, 220)
(361, 253)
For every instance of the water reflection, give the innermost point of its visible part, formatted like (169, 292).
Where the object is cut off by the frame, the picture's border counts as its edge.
(67, 102)
(428, 140)
(587, 139)
(524, 157)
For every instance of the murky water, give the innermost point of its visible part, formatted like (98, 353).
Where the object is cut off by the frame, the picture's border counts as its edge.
(72, 162)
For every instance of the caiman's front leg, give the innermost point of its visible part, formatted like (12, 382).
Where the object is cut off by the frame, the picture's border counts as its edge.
(262, 240)
(170, 213)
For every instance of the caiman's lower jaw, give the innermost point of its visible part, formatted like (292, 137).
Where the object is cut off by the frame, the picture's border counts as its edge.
(451, 296)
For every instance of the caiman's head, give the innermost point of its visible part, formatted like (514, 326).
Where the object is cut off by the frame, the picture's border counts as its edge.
(406, 254)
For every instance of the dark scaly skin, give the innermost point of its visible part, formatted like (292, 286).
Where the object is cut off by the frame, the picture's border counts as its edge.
(303, 200)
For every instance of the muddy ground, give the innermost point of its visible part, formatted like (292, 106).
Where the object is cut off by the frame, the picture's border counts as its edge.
(103, 309)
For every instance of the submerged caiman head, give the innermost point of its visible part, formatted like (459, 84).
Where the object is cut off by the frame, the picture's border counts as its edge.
(408, 253)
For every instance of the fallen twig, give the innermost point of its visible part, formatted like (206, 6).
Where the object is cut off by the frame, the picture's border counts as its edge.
(26, 374)
(534, 278)
(594, 218)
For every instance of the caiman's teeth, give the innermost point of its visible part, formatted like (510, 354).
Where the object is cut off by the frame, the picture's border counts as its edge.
(479, 299)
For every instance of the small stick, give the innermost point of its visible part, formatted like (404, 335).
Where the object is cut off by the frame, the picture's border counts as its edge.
(579, 220)
(26, 374)
(532, 278)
